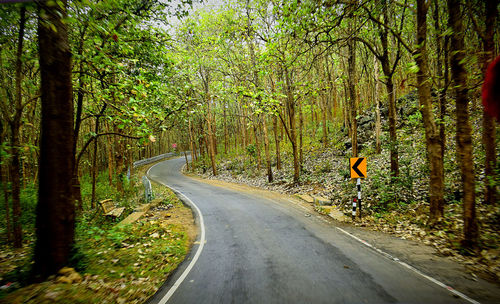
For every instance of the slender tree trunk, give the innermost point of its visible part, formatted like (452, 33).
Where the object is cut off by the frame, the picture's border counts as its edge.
(301, 127)
(55, 212)
(433, 142)
(94, 169)
(323, 121)
(352, 96)
(442, 82)
(16, 185)
(211, 142)
(94, 160)
(225, 131)
(277, 143)
(15, 126)
(392, 127)
(293, 132)
(257, 141)
(192, 147)
(111, 161)
(214, 134)
(314, 123)
(130, 159)
(266, 150)
(463, 127)
(346, 111)
(4, 181)
(389, 86)
(77, 194)
(244, 128)
(378, 123)
(489, 127)
(186, 158)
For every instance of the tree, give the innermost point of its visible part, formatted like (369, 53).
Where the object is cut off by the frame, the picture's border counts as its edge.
(463, 125)
(433, 142)
(55, 212)
(389, 63)
(487, 36)
(12, 113)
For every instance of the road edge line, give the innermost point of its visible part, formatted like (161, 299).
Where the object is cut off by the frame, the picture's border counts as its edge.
(415, 270)
(183, 276)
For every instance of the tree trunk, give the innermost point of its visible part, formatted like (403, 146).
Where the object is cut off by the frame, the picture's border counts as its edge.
(433, 142)
(323, 121)
(119, 166)
(266, 150)
(378, 124)
(439, 72)
(225, 131)
(4, 181)
(277, 143)
(111, 161)
(16, 185)
(55, 212)
(463, 126)
(489, 127)
(77, 194)
(389, 86)
(214, 134)
(244, 128)
(257, 141)
(15, 125)
(301, 127)
(293, 132)
(392, 127)
(352, 96)
(191, 147)
(186, 158)
(211, 142)
(94, 164)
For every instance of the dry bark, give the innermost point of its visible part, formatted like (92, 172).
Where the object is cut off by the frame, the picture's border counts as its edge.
(55, 212)
(463, 125)
(433, 142)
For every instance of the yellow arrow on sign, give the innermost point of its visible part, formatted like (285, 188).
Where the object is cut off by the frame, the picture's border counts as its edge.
(358, 167)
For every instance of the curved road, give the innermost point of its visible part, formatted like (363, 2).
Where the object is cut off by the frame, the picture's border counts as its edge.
(259, 250)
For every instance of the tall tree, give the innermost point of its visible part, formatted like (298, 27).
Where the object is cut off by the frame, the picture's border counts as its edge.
(433, 142)
(463, 126)
(352, 93)
(55, 212)
(12, 108)
(489, 126)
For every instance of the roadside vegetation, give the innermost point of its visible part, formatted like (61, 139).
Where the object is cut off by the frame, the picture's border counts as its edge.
(110, 263)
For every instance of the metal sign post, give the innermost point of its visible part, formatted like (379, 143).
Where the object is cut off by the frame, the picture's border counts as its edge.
(358, 168)
(353, 209)
(358, 184)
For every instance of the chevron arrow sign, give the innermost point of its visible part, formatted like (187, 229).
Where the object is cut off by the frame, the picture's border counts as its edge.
(358, 167)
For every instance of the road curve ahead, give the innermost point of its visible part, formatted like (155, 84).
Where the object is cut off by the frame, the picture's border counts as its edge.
(259, 250)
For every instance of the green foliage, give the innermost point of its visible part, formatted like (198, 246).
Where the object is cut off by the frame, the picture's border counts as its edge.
(252, 150)
(29, 199)
(104, 190)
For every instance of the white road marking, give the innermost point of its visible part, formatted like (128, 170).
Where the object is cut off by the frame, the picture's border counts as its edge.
(202, 242)
(390, 257)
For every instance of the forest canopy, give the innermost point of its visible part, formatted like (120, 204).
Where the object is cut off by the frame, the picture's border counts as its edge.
(273, 84)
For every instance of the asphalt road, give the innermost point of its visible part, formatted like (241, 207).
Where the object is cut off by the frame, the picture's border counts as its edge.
(259, 250)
